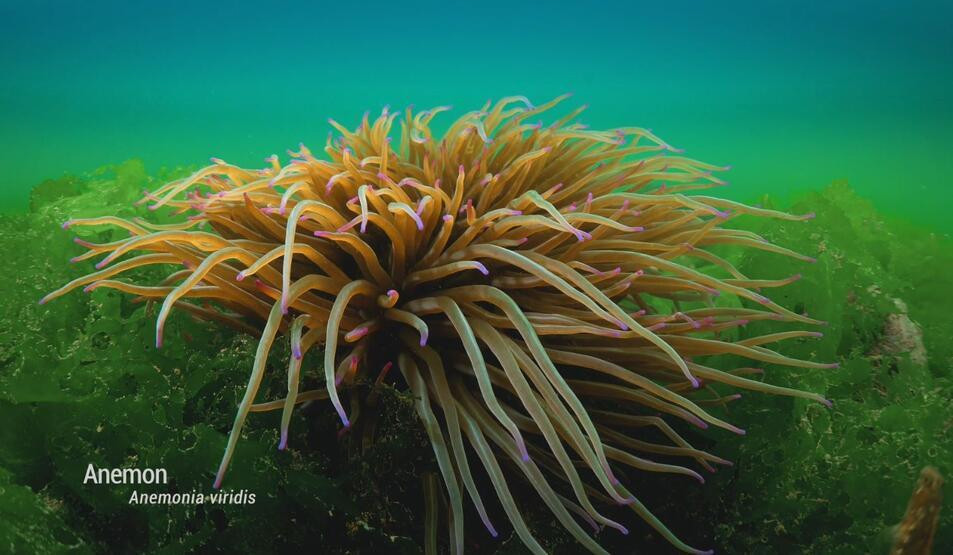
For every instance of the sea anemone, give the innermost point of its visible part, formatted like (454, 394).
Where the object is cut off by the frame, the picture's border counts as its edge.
(545, 293)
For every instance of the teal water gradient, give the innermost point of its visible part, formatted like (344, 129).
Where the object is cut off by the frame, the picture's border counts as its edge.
(793, 97)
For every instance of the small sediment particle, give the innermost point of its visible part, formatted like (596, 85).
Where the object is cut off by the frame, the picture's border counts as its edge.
(914, 535)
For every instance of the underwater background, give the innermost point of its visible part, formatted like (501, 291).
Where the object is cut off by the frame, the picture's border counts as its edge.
(841, 108)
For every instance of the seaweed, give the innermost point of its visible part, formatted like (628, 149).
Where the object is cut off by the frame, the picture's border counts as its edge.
(81, 383)
(810, 480)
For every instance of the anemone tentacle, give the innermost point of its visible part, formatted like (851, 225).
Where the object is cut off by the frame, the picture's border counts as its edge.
(547, 294)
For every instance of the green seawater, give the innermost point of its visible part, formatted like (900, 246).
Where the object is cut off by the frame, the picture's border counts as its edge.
(842, 110)
(792, 97)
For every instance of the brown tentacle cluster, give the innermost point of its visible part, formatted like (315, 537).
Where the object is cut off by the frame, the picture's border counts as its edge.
(543, 291)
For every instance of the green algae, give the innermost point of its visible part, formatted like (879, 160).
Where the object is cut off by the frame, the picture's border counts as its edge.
(812, 480)
(81, 383)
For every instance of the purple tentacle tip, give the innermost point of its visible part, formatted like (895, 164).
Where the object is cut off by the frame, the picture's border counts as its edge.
(240, 276)
(827, 403)
(66, 224)
(283, 444)
(43, 301)
(482, 269)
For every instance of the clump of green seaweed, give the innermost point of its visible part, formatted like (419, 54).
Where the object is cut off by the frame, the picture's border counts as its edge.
(817, 481)
(81, 383)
